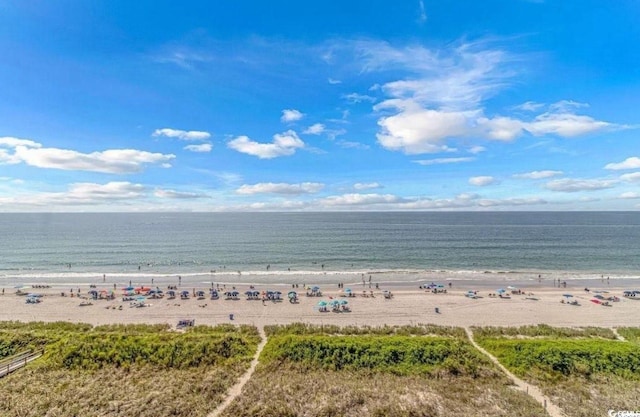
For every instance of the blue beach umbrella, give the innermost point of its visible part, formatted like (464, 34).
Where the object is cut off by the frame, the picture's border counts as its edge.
(344, 302)
(322, 303)
(292, 294)
(501, 291)
(567, 295)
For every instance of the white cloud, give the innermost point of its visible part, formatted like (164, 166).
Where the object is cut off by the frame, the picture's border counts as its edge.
(181, 57)
(477, 149)
(291, 115)
(482, 181)
(629, 163)
(629, 195)
(360, 186)
(204, 147)
(536, 175)
(440, 98)
(569, 185)
(78, 194)
(113, 161)
(632, 177)
(565, 106)
(509, 202)
(315, 129)
(439, 161)
(284, 144)
(423, 13)
(500, 128)
(182, 134)
(116, 190)
(358, 98)
(529, 106)
(360, 199)
(415, 130)
(10, 142)
(333, 81)
(352, 145)
(280, 188)
(160, 193)
(564, 124)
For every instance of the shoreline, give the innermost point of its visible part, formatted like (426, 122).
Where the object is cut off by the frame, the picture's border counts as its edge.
(393, 278)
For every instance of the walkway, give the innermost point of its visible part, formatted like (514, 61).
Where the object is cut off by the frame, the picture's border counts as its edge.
(16, 362)
(532, 390)
(236, 390)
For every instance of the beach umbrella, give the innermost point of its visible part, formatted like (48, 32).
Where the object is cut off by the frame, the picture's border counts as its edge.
(347, 290)
(315, 288)
(567, 295)
(277, 292)
(344, 302)
(292, 294)
(248, 293)
(511, 287)
(128, 288)
(599, 297)
(440, 286)
(501, 291)
(334, 303)
(322, 303)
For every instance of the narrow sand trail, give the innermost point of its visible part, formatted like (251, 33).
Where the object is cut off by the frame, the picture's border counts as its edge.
(618, 335)
(236, 390)
(531, 390)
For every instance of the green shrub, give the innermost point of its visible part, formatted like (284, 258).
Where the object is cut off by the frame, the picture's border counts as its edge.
(395, 354)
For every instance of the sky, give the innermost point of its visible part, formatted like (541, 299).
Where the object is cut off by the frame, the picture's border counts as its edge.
(357, 105)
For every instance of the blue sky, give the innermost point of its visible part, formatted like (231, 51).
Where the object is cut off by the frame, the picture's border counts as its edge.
(311, 106)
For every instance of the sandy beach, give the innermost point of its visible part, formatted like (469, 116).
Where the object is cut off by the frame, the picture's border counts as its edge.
(540, 302)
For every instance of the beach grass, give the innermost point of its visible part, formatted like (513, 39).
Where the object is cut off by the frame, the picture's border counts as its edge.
(583, 371)
(122, 370)
(404, 371)
(632, 334)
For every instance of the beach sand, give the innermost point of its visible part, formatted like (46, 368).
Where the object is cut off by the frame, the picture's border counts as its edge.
(409, 305)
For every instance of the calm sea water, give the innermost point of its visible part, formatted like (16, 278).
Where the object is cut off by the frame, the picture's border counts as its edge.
(58, 246)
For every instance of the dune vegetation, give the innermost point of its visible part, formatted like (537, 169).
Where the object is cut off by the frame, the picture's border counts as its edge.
(632, 334)
(426, 370)
(586, 372)
(118, 370)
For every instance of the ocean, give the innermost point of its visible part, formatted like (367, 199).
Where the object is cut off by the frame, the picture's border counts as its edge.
(269, 247)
